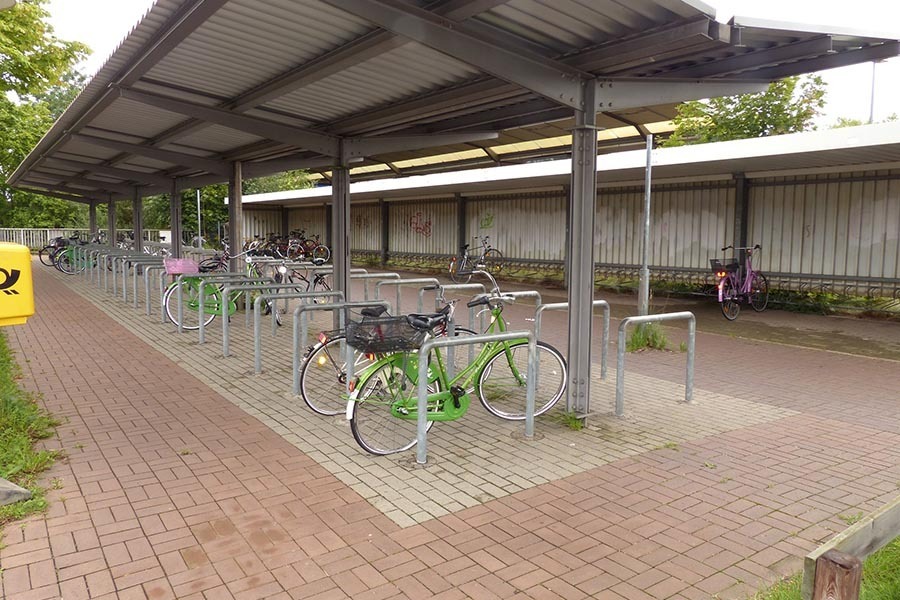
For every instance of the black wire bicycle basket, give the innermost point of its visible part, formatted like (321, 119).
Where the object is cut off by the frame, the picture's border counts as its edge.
(384, 334)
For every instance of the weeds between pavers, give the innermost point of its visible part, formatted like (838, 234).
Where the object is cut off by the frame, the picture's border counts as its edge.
(22, 423)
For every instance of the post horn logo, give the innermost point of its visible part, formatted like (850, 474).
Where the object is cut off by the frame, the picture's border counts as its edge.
(9, 279)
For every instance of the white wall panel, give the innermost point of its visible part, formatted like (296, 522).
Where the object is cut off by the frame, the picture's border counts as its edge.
(423, 227)
(311, 220)
(526, 227)
(261, 223)
(825, 227)
(365, 227)
(688, 226)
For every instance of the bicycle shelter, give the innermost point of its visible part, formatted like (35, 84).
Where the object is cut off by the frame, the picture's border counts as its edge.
(449, 78)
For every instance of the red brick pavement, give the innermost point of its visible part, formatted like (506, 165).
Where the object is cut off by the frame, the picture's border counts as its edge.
(169, 491)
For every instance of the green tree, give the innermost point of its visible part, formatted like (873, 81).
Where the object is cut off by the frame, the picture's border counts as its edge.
(788, 106)
(37, 81)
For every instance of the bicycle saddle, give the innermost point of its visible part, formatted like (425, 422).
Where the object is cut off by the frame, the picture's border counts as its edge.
(425, 321)
(318, 261)
(373, 311)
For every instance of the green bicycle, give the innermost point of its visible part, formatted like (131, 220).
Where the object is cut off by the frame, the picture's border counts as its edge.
(382, 407)
(214, 305)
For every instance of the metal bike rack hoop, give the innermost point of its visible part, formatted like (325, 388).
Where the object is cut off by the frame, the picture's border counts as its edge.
(604, 343)
(400, 283)
(443, 342)
(620, 351)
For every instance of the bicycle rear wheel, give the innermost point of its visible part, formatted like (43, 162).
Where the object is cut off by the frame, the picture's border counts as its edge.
(374, 427)
(321, 285)
(731, 300)
(191, 303)
(455, 266)
(759, 292)
(46, 255)
(502, 383)
(493, 261)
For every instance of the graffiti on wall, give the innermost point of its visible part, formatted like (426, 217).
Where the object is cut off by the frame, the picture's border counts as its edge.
(487, 221)
(420, 225)
(362, 222)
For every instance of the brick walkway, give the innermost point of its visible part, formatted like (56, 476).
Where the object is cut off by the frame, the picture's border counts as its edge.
(172, 490)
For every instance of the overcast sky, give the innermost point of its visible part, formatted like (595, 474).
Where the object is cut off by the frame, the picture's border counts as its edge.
(102, 24)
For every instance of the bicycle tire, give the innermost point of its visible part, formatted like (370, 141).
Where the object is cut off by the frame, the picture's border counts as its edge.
(191, 299)
(503, 392)
(212, 265)
(323, 376)
(65, 262)
(759, 292)
(493, 261)
(374, 427)
(46, 255)
(731, 302)
(319, 283)
(321, 252)
(454, 268)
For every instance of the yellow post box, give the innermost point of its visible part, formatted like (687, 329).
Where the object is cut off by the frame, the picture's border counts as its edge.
(16, 286)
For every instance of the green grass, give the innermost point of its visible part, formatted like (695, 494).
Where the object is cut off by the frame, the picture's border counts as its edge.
(880, 578)
(22, 423)
(647, 335)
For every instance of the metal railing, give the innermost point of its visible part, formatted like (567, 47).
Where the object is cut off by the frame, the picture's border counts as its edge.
(604, 340)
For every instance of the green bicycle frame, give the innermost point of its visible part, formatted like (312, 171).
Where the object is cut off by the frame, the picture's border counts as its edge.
(212, 301)
(447, 404)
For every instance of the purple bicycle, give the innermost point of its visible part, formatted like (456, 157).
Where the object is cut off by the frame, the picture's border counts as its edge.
(737, 285)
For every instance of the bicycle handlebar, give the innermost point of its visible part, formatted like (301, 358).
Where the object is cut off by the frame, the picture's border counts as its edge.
(756, 247)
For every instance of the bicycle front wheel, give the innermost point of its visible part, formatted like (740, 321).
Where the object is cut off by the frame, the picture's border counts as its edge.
(321, 252)
(502, 382)
(373, 425)
(191, 304)
(323, 376)
(759, 292)
(731, 301)
(493, 261)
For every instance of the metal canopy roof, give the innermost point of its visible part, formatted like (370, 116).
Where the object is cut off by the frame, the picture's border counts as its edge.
(284, 84)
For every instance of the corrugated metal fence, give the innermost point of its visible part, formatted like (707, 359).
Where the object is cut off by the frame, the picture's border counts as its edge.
(813, 228)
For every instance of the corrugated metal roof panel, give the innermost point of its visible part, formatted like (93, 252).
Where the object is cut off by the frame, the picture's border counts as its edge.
(406, 71)
(219, 139)
(248, 42)
(140, 121)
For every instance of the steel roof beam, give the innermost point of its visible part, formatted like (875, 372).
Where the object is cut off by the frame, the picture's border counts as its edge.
(360, 147)
(551, 79)
(754, 60)
(618, 94)
(842, 59)
(108, 186)
(644, 48)
(62, 189)
(124, 174)
(320, 143)
(169, 156)
(60, 195)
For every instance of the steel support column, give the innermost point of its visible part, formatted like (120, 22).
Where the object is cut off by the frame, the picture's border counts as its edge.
(235, 215)
(329, 223)
(567, 193)
(741, 216)
(580, 253)
(111, 221)
(644, 281)
(461, 206)
(175, 220)
(92, 217)
(137, 219)
(385, 231)
(285, 222)
(340, 229)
